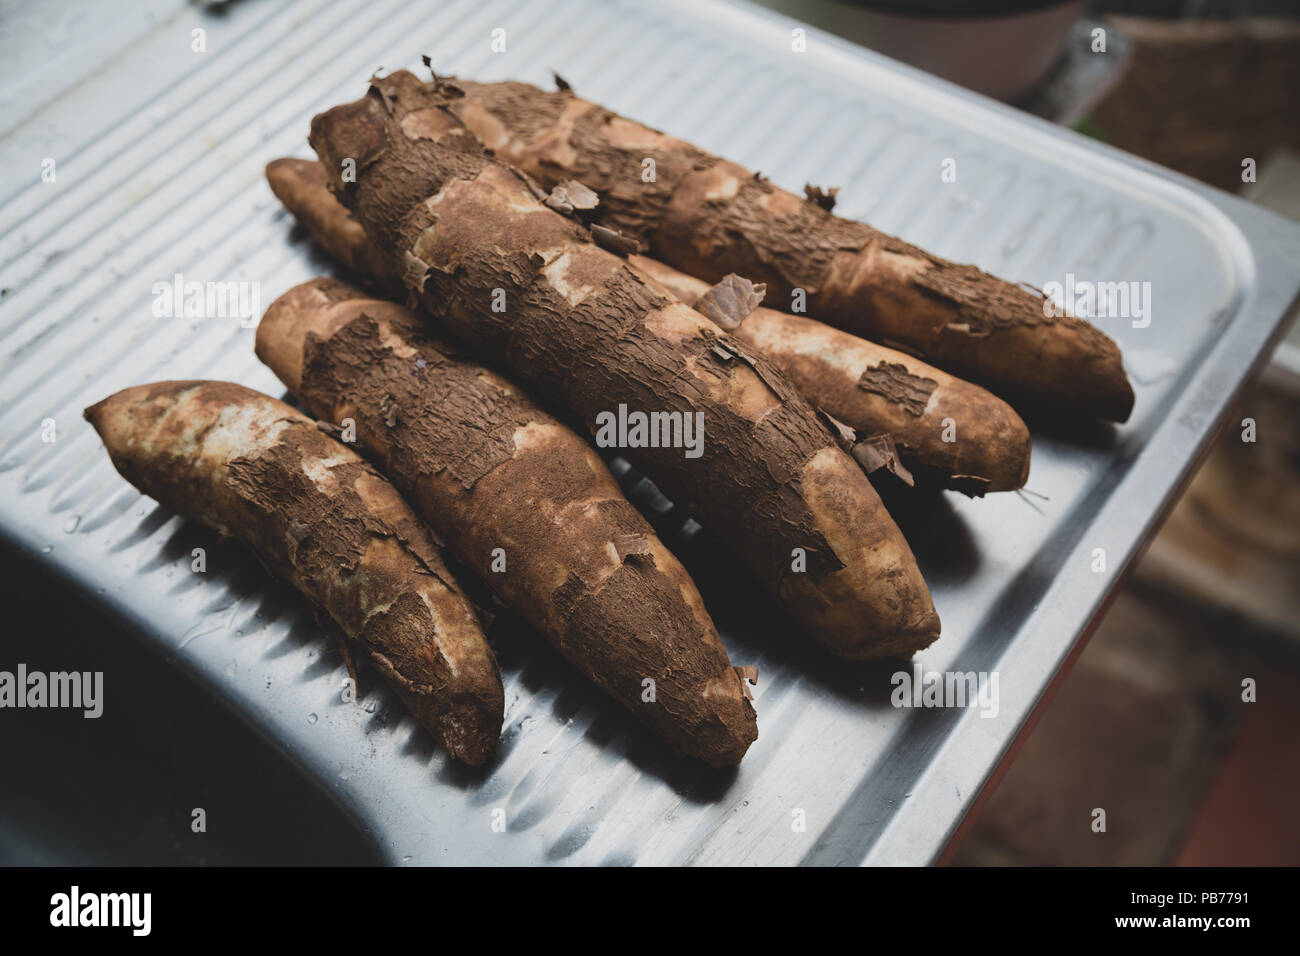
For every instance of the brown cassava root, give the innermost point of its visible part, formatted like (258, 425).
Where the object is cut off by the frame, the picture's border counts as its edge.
(500, 480)
(946, 431)
(710, 217)
(316, 514)
(528, 287)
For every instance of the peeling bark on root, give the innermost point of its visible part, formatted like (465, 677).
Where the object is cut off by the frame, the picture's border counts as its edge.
(489, 469)
(829, 367)
(710, 217)
(583, 329)
(315, 513)
(877, 390)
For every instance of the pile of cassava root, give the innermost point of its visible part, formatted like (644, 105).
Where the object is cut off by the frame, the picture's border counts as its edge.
(501, 233)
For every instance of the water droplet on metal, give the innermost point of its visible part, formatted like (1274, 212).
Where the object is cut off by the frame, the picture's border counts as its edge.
(312, 718)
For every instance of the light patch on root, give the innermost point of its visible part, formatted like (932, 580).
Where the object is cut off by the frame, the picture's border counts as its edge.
(359, 581)
(506, 191)
(906, 268)
(449, 192)
(144, 424)
(557, 273)
(431, 123)
(723, 187)
(678, 323)
(677, 285)
(625, 134)
(394, 340)
(447, 654)
(553, 144)
(241, 430)
(319, 470)
(781, 203)
(825, 473)
(490, 131)
(724, 686)
(851, 273)
(777, 334)
(571, 520)
(737, 387)
(597, 468)
(537, 435)
(497, 382)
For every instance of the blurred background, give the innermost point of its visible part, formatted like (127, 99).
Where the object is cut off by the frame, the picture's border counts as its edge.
(1137, 726)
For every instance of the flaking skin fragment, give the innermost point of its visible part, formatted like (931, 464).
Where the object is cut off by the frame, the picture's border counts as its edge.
(877, 451)
(730, 301)
(823, 198)
(614, 241)
(896, 383)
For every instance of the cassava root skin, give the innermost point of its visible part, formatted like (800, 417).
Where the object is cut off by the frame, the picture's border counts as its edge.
(709, 217)
(488, 469)
(302, 188)
(582, 329)
(298, 183)
(878, 390)
(317, 515)
(867, 386)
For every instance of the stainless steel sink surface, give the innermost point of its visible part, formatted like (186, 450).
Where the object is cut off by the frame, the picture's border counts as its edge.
(159, 154)
(163, 776)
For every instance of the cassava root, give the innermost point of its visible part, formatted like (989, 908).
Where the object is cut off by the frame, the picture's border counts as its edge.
(710, 217)
(316, 514)
(584, 330)
(948, 432)
(498, 478)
